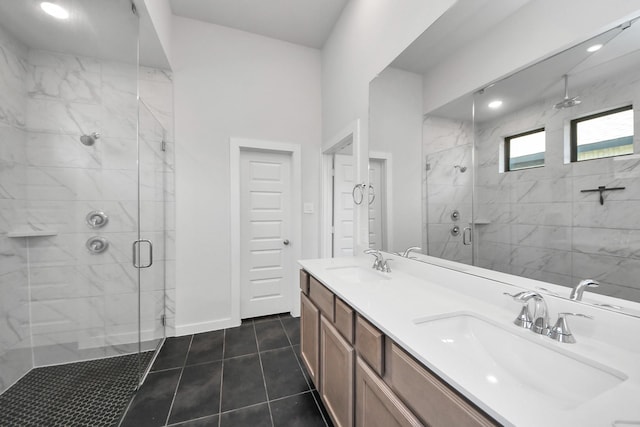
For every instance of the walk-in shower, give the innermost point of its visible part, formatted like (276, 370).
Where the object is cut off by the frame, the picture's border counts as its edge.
(85, 173)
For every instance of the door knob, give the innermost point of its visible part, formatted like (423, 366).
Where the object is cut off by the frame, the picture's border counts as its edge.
(286, 242)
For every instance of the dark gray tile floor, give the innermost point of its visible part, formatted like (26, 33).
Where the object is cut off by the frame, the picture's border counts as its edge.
(251, 375)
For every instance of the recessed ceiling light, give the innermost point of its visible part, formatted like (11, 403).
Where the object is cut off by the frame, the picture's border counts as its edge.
(594, 47)
(495, 104)
(54, 10)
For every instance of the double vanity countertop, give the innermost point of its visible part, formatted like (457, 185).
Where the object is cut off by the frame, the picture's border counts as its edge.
(461, 327)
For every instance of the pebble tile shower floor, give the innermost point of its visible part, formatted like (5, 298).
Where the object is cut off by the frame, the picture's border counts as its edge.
(246, 376)
(93, 393)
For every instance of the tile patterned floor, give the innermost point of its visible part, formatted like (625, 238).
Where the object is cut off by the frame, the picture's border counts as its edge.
(245, 376)
(92, 393)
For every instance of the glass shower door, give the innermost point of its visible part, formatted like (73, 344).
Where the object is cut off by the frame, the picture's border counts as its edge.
(149, 250)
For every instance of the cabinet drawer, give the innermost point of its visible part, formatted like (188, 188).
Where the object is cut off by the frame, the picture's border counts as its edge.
(344, 320)
(304, 282)
(322, 297)
(376, 404)
(431, 400)
(370, 344)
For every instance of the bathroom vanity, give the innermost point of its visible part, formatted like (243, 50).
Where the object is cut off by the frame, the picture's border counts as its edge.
(430, 345)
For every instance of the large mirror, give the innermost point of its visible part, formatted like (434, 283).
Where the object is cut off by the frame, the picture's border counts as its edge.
(536, 175)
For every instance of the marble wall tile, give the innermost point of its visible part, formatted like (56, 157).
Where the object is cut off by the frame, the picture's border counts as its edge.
(70, 216)
(73, 292)
(15, 345)
(607, 241)
(542, 259)
(559, 214)
(15, 363)
(72, 85)
(119, 107)
(63, 184)
(12, 88)
(612, 214)
(62, 61)
(442, 134)
(118, 153)
(62, 117)
(552, 237)
(13, 255)
(46, 149)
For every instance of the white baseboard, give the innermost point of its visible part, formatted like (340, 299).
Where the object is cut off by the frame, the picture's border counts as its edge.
(213, 325)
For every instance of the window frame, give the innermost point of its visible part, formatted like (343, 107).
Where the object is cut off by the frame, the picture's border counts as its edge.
(573, 132)
(507, 149)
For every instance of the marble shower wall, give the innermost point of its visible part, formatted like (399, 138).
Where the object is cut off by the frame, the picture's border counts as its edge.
(15, 344)
(446, 143)
(538, 223)
(86, 305)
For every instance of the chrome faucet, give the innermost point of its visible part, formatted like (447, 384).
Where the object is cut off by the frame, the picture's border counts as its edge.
(380, 263)
(560, 331)
(409, 250)
(539, 322)
(578, 290)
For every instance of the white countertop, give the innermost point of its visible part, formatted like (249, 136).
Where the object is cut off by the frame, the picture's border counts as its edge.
(415, 290)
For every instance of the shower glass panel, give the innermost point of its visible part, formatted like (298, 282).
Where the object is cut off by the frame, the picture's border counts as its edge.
(74, 195)
(150, 248)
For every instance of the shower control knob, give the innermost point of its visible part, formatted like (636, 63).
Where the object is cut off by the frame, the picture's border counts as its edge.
(97, 219)
(286, 242)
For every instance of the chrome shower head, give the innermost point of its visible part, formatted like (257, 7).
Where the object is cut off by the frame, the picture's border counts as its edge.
(463, 169)
(89, 140)
(567, 102)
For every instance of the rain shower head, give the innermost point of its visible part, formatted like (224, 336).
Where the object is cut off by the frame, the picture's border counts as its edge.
(567, 102)
(89, 140)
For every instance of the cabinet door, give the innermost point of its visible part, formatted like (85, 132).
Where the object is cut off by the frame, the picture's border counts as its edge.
(336, 374)
(309, 336)
(376, 405)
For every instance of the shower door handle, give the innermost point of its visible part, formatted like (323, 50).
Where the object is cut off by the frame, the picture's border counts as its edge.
(464, 236)
(136, 244)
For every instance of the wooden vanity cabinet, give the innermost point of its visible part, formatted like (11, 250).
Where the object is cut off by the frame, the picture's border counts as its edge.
(431, 400)
(364, 378)
(309, 336)
(336, 374)
(376, 404)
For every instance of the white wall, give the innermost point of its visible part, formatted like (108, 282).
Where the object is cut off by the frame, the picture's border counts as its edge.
(366, 38)
(537, 30)
(229, 83)
(395, 114)
(161, 18)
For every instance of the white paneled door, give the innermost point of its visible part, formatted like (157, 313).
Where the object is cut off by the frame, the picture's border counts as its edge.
(265, 230)
(343, 182)
(376, 206)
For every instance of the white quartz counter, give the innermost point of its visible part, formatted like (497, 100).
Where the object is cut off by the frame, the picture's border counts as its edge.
(413, 292)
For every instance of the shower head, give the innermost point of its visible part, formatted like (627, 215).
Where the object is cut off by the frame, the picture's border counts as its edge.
(463, 169)
(567, 102)
(89, 140)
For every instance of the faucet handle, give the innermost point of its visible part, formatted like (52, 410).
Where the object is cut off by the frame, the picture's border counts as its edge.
(385, 266)
(524, 317)
(561, 332)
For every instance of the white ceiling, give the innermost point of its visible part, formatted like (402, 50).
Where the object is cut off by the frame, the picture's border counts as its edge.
(304, 22)
(543, 81)
(105, 29)
(465, 21)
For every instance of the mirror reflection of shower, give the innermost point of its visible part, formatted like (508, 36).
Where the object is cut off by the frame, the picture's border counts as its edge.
(90, 139)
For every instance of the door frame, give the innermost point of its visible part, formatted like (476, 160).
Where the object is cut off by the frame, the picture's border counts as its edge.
(348, 135)
(387, 159)
(236, 145)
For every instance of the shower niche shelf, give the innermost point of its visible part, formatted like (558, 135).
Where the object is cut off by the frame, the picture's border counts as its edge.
(32, 233)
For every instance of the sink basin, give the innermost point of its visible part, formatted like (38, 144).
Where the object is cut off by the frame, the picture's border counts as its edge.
(356, 274)
(484, 355)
